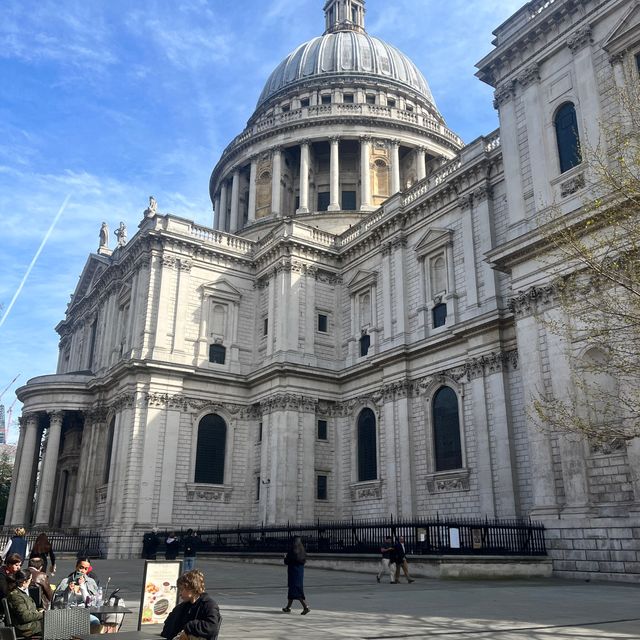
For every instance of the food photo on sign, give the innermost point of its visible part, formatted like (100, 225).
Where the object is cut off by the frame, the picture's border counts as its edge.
(159, 591)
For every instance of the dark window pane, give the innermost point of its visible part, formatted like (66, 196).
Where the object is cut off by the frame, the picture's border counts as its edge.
(217, 353)
(107, 462)
(322, 323)
(365, 343)
(348, 200)
(638, 62)
(348, 98)
(367, 455)
(260, 432)
(439, 315)
(371, 99)
(265, 328)
(304, 102)
(326, 99)
(568, 138)
(446, 430)
(258, 488)
(211, 450)
(322, 429)
(321, 491)
(324, 197)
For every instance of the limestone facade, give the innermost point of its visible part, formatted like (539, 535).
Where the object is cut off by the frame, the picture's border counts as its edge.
(366, 308)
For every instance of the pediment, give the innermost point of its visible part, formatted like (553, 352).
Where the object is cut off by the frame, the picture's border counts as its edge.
(433, 240)
(362, 280)
(626, 33)
(93, 269)
(222, 290)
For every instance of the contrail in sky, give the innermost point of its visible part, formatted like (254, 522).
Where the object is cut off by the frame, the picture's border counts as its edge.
(38, 252)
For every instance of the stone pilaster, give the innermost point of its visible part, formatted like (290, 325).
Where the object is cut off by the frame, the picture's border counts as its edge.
(334, 170)
(304, 177)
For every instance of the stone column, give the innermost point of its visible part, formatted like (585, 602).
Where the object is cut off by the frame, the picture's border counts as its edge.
(334, 178)
(406, 453)
(48, 473)
(216, 211)
(539, 158)
(222, 216)
(276, 178)
(235, 202)
(421, 163)
(14, 476)
(23, 493)
(86, 465)
(399, 287)
(505, 103)
(365, 174)
(541, 460)
(387, 300)
(395, 166)
(304, 177)
(465, 203)
(391, 444)
(253, 177)
(482, 200)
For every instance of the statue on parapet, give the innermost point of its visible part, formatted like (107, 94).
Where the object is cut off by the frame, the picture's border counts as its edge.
(104, 235)
(121, 234)
(152, 209)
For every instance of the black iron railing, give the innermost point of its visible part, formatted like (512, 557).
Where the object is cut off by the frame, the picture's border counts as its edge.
(88, 543)
(422, 536)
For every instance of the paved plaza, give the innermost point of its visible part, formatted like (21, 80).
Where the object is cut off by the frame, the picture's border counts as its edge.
(353, 605)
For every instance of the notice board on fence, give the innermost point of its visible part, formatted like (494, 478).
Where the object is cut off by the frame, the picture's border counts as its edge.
(159, 591)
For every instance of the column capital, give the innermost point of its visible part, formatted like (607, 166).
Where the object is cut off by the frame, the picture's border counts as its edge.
(394, 143)
(366, 139)
(305, 142)
(504, 93)
(529, 76)
(235, 171)
(334, 139)
(581, 38)
(28, 419)
(56, 416)
(276, 150)
(465, 201)
(616, 58)
(485, 192)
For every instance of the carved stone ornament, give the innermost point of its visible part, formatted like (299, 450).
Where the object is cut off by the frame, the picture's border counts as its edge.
(168, 261)
(615, 445)
(572, 186)
(580, 39)
(371, 490)
(101, 494)
(465, 201)
(530, 75)
(503, 94)
(448, 482)
(185, 264)
(491, 363)
(208, 493)
(528, 302)
(485, 192)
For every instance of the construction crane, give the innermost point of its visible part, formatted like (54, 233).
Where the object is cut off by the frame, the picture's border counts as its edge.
(7, 424)
(8, 386)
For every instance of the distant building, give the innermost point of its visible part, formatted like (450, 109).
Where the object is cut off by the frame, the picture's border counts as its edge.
(3, 426)
(358, 334)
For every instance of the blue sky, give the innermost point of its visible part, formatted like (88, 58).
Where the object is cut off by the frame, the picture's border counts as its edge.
(110, 101)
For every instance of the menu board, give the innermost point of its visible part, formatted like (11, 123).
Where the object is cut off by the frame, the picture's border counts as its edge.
(159, 591)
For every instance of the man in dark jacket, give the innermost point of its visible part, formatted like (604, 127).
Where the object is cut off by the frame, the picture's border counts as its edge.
(197, 615)
(190, 545)
(400, 558)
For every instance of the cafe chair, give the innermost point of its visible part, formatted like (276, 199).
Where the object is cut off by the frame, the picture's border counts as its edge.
(62, 624)
(5, 613)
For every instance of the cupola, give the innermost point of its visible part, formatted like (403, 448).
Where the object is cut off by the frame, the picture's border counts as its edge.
(344, 15)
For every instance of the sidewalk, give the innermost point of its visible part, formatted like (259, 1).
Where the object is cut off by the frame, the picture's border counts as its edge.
(353, 605)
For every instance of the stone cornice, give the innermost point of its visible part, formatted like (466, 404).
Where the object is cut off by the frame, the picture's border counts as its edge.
(533, 300)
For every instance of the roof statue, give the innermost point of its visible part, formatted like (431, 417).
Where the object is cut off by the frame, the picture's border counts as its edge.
(152, 209)
(104, 235)
(121, 234)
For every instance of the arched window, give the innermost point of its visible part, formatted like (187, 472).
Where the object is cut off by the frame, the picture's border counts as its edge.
(365, 310)
(211, 450)
(367, 455)
(438, 276)
(218, 320)
(446, 430)
(568, 138)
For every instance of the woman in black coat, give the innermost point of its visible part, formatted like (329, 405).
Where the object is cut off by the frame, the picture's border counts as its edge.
(197, 615)
(295, 559)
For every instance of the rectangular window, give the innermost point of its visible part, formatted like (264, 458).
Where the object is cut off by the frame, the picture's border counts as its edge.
(321, 488)
(638, 62)
(324, 197)
(409, 107)
(323, 323)
(371, 99)
(217, 353)
(439, 315)
(304, 102)
(260, 432)
(326, 99)
(391, 102)
(258, 488)
(347, 98)
(365, 343)
(265, 327)
(322, 430)
(285, 108)
(348, 200)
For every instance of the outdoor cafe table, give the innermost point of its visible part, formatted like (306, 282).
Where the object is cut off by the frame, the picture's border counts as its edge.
(125, 635)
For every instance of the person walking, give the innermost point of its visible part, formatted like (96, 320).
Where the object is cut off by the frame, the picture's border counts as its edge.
(400, 558)
(295, 560)
(150, 543)
(190, 546)
(385, 562)
(42, 549)
(17, 544)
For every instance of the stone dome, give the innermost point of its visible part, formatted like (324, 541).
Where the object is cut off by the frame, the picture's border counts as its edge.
(346, 53)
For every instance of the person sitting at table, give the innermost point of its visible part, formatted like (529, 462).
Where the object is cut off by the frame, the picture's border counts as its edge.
(197, 615)
(7, 573)
(40, 579)
(77, 590)
(26, 618)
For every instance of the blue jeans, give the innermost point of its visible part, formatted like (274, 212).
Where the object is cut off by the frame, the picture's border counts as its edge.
(188, 563)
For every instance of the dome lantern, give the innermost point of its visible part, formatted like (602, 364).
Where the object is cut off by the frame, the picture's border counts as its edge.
(344, 15)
